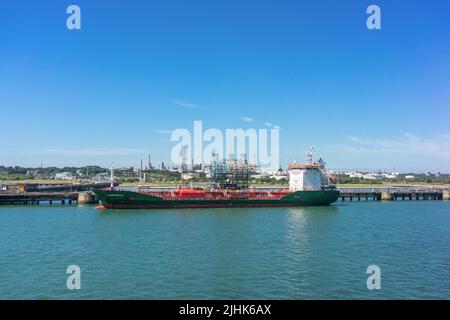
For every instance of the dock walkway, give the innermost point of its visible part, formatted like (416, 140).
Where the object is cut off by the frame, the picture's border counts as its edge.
(388, 194)
(38, 197)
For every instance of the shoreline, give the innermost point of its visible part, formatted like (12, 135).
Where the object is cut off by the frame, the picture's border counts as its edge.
(202, 183)
(126, 184)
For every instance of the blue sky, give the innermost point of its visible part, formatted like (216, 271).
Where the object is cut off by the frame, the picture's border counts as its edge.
(111, 91)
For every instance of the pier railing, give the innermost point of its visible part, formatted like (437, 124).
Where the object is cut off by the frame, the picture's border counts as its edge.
(397, 193)
(39, 197)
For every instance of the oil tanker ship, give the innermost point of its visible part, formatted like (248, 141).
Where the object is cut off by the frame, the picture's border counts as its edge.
(309, 185)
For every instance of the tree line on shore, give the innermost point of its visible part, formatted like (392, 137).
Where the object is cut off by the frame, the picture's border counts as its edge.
(124, 175)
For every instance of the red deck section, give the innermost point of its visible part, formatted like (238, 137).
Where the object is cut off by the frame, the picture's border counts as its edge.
(189, 194)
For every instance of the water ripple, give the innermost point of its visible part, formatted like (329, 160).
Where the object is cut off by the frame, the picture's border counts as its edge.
(295, 253)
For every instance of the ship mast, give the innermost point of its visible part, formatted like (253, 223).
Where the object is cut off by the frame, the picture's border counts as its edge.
(112, 176)
(309, 156)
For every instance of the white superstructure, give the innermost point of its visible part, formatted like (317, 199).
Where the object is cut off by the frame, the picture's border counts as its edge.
(309, 176)
(305, 177)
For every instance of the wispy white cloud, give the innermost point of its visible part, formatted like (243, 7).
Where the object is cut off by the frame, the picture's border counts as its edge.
(444, 136)
(184, 104)
(407, 144)
(271, 125)
(85, 152)
(247, 119)
(354, 139)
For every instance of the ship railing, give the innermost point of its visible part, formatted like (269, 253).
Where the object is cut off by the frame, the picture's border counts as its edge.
(221, 195)
(388, 189)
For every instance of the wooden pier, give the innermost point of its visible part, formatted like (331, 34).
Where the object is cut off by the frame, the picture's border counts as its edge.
(366, 194)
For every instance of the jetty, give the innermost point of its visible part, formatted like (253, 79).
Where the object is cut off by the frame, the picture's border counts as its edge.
(392, 194)
(39, 197)
(51, 194)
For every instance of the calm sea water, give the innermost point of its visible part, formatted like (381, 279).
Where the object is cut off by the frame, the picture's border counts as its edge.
(276, 253)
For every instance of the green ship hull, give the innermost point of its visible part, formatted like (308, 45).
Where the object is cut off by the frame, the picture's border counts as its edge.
(112, 199)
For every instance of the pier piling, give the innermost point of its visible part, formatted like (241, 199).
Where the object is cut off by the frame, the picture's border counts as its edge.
(446, 195)
(386, 196)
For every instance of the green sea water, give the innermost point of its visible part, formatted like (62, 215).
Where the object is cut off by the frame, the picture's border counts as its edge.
(268, 253)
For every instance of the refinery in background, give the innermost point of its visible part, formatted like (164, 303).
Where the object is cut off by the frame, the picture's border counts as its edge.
(149, 172)
(198, 173)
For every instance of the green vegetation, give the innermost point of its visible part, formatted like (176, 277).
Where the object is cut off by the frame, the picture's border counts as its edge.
(32, 173)
(13, 177)
(167, 177)
(343, 179)
(418, 179)
(151, 176)
(269, 181)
